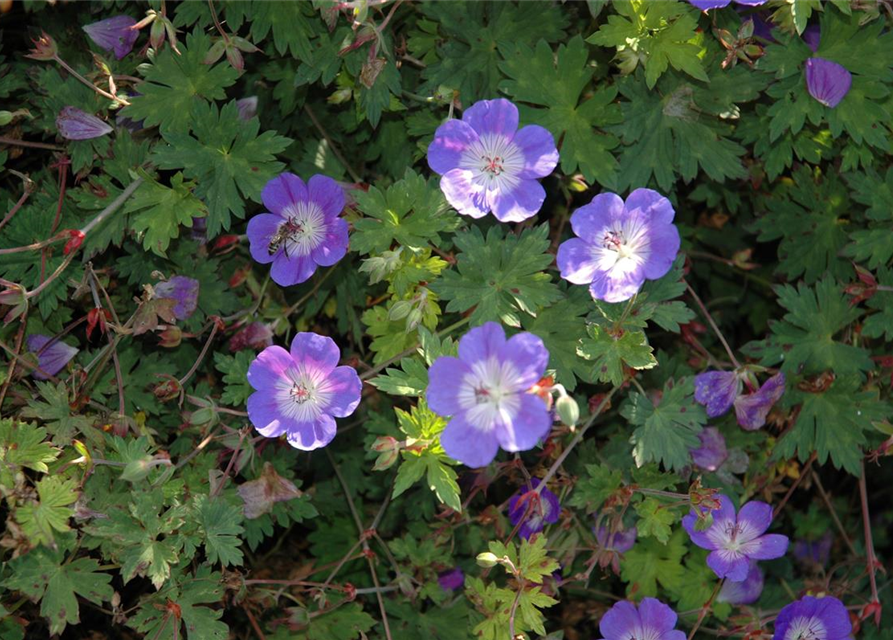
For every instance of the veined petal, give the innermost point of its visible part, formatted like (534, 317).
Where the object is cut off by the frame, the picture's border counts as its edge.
(492, 116)
(451, 140)
(467, 444)
(283, 191)
(540, 153)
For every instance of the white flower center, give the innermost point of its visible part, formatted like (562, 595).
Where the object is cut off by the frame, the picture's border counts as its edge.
(642, 633)
(495, 161)
(302, 231)
(303, 394)
(490, 393)
(806, 629)
(624, 246)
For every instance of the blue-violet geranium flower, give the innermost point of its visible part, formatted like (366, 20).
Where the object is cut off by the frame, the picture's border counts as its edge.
(531, 510)
(303, 229)
(184, 291)
(652, 620)
(74, 124)
(52, 355)
(486, 391)
(827, 81)
(706, 5)
(719, 390)
(488, 164)
(745, 592)
(301, 392)
(620, 244)
(114, 34)
(736, 539)
(814, 619)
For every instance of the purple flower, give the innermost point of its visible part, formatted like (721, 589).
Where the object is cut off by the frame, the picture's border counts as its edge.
(814, 552)
(745, 592)
(299, 393)
(489, 165)
(752, 409)
(533, 511)
(813, 619)
(827, 81)
(620, 244)
(182, 289)
(74, 124)
(712, 452)
(620, 541)
(706, 5)
(653, 620)
(247, 107)
(51, 356)
(485, 390)
(812, 37)
(736, 540)
(114, 34)
(303, 231)
(719, 390)
(451, 580)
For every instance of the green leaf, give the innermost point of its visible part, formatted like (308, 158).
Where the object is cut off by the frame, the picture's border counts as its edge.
(410, 380)
(661, 34)
(651, 562)
(410, 213)
(290, 24)
(43, 576)
(557, 82)
(176, 82)
(667, 431)
(227, 158)
(833, 423)
(803, 342)
(220, 523)
(23, 444)
(655, 519)
(881, 323)
(500, 277)
(562, 327)
(442, 481)
(188, 592)
(235, 375)
(159, 211)
(348, 622)
(666, 133)
(534, 562)
(609, 353)
(50, 513)
(461, 39)
(591, 492)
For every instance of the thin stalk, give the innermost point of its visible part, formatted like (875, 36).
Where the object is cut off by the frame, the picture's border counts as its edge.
(713, 325)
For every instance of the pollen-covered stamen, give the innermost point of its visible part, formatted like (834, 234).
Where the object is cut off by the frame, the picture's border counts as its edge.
(806, 629)
(495, 161)
(304, 228)
(490, 393)
(300, 393)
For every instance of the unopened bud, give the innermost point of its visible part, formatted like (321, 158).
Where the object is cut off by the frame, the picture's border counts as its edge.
(171, 337)
(487, 559)
(568, 410)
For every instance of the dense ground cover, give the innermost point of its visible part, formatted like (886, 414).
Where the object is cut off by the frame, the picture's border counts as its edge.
(446, 320)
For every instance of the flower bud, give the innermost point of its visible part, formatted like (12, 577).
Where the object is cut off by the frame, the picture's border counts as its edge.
(167, 390)
(487, 559)
(568, 410)
(202, 416)
(171, 337)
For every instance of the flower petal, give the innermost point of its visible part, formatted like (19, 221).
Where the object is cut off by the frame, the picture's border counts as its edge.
(576, 262)
(74, 124)
(716, 390)
(269, 367)
(768, 547)
(327, 193)
(463, 194)
(182, 289)
(264, 414)
(731, 565)
(540, 154)
(261, 228)
(746, 591)
(751, 410)
(308, 436)
(530, 424)
(283, 191)
(51, 359)
(444, 377)
(650, 205)
(113, 34)
(656, 615)
(706, 5)
(621, 621)
(753, 520)
(529, 355)
(451, 140)
(492, 116)
(334, 246)
(616, 285)
(827, 81)
(467, 444)
(589, 221)
(291, 270)
(663, 242)
(347, 388)
(522, 202)
(316, 352)
(482, 343)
